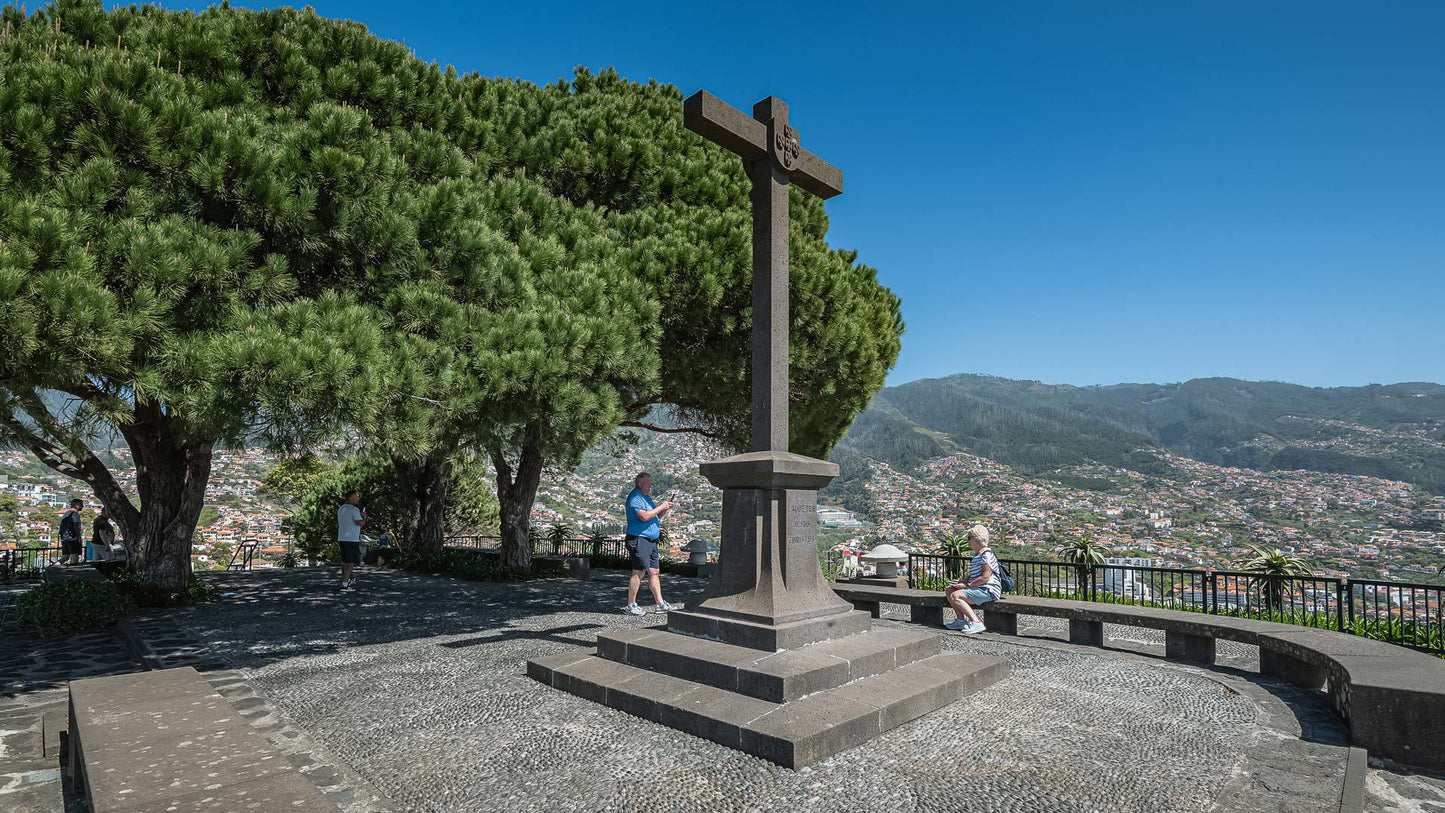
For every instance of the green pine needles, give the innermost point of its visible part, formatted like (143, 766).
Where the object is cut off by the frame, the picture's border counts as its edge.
(270, 227)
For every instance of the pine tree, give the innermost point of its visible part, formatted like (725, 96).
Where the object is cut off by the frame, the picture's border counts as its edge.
(170, 236)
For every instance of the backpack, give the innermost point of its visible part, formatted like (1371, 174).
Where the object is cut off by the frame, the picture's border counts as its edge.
(1005, 578)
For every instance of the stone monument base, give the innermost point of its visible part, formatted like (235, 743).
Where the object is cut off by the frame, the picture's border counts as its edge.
(793, 707)
(692, 571)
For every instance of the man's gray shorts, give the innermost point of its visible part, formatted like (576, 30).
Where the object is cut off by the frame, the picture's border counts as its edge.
(643, 551)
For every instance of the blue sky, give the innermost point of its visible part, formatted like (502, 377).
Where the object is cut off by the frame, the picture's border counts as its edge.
(1081, 192)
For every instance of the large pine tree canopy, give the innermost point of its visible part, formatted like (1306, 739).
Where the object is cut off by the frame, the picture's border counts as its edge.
(237, 223)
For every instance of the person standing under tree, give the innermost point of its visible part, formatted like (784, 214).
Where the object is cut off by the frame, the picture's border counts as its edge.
(643, 528)
(71, 528)
(102, 536)
(349, 520)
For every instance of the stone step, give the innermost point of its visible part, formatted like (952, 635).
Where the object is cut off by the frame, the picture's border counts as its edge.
(793, 734)
(777, 677)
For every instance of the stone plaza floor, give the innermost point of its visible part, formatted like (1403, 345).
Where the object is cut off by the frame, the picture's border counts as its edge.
(411, 695)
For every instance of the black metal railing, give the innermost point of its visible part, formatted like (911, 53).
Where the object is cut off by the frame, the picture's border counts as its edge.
(605, 550)
(28, 561)
(244, 556)
(1399, 612)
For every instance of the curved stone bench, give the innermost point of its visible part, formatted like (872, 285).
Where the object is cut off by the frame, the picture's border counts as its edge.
(1392, 698)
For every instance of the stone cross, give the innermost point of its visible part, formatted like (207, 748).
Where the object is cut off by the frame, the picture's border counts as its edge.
(773, 159)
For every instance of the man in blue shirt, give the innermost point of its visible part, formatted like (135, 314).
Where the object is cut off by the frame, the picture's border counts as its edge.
(643, 527)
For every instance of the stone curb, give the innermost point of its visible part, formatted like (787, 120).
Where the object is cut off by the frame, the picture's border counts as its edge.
(1352, 798)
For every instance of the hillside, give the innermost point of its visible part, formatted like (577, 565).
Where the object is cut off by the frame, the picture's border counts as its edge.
(1395, 432)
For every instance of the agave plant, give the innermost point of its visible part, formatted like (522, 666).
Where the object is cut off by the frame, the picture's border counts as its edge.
(558, 535)
(596, 538)
(1275, 567)
(1084, 553)
(955, 547)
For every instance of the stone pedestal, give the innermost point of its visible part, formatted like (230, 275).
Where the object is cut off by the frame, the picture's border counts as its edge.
(771, 661)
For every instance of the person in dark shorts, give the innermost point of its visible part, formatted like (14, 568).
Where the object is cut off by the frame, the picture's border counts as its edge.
(349, 520)
(70, 534)
(643, 528)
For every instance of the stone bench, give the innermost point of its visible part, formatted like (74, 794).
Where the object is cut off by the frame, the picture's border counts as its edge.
(924, 606)
(1392, 698)
(165, 740)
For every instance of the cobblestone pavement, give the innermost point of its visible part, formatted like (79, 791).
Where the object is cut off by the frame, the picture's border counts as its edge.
(417, 684)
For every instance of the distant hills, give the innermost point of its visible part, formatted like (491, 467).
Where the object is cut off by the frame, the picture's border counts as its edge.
(1392, 431)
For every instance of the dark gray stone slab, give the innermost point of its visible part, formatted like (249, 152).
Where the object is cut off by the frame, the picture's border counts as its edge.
(792, 674)
(713, 714)
(768, 637)
(794, 733)
(699, 660)
(1085, 632)
(1290, 669)
(1000, 621)
(1186, 647)
(773, 676)
(880, 650)
(544, 668)
(923, 614)
(808, 730)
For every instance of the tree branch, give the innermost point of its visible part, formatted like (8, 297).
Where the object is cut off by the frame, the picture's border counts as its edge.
(693, 430)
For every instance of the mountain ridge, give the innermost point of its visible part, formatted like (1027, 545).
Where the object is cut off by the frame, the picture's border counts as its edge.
(1393, 431)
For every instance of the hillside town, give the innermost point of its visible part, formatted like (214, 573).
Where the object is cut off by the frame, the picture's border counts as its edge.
(1199, 515)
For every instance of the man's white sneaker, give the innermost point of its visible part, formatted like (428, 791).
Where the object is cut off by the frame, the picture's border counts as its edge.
(974, 628)
(633, 609)
(346, 588)
(664, 607)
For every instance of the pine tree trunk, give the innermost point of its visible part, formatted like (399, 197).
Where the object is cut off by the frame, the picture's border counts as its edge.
(516, 492)
(429, 482)
(172, 469)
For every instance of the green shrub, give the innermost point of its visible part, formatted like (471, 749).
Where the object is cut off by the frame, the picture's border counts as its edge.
(73, 605)
(129, 583)
(461, 564)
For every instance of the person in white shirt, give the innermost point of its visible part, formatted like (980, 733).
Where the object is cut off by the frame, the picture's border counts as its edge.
(349, 520)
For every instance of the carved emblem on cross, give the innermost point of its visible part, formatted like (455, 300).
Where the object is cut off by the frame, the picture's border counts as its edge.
(786, 147)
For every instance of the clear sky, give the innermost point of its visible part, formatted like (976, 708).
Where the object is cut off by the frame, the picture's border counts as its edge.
(1085, 192)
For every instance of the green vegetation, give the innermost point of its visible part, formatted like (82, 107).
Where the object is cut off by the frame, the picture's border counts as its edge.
(469, 508)
(273, 227)
(461, 564)
(1279, 565)
(1038, 428)
(70, 606)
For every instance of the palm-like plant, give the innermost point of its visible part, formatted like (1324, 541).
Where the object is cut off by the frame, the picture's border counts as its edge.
(558, 535)
(1084, 553)
(1275, 566)
(955, 547)
(596, 538)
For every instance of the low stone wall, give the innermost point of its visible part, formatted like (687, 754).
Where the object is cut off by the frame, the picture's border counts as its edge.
(1392, 698)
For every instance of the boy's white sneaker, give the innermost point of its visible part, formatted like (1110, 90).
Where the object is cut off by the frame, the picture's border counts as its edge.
(664, 607)
(633, 609)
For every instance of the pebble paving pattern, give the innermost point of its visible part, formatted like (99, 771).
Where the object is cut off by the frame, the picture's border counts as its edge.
(418, 683)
